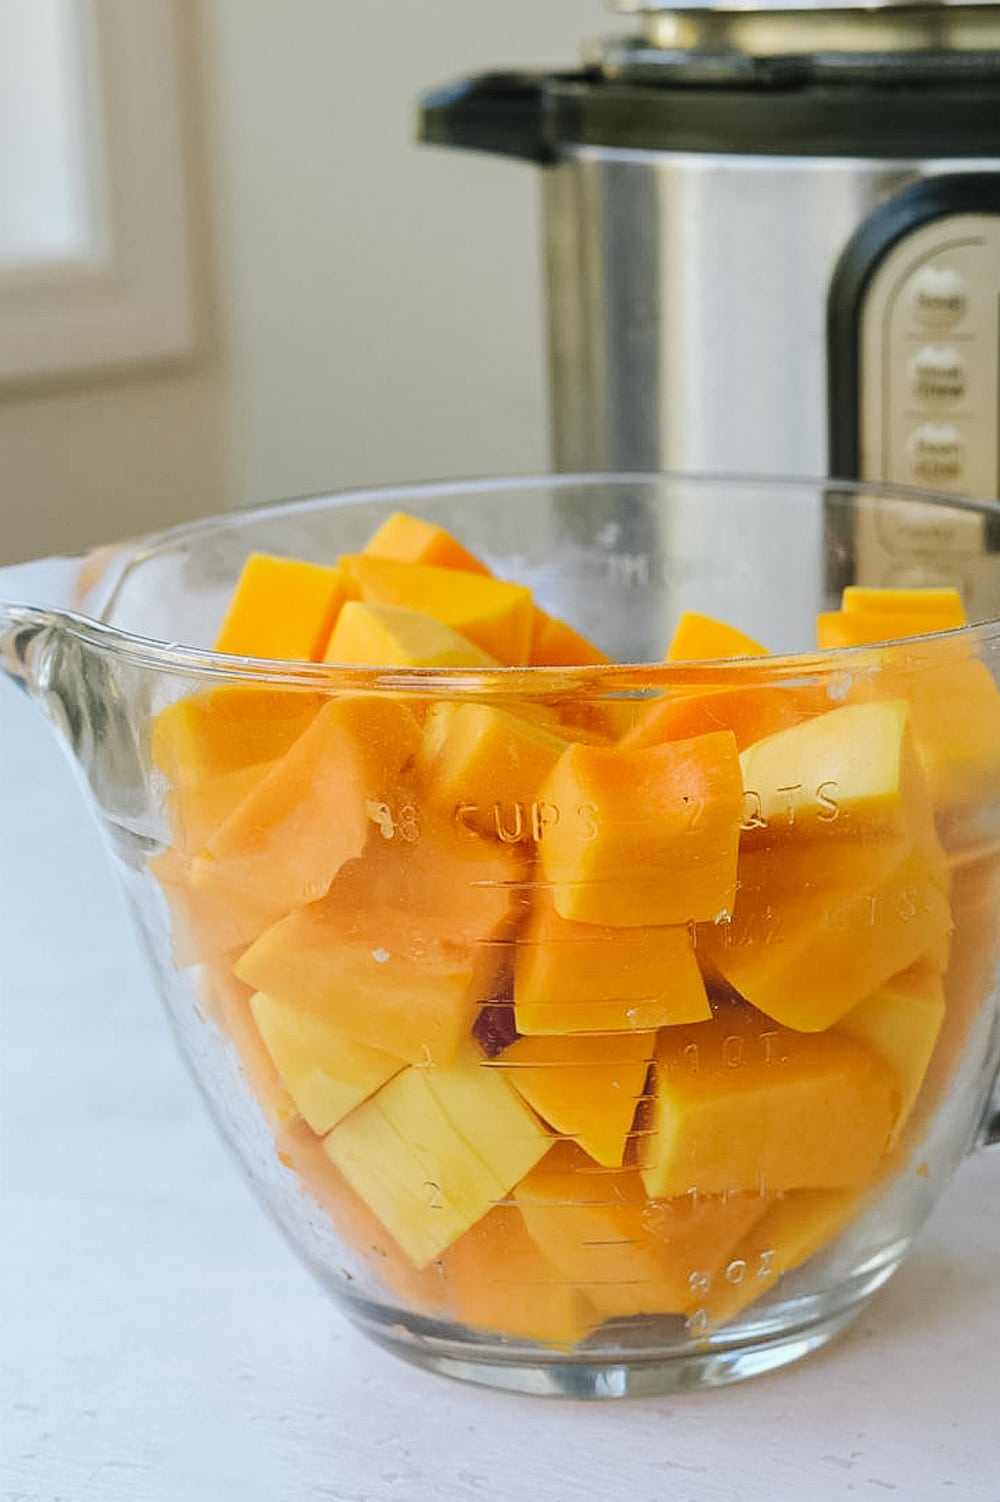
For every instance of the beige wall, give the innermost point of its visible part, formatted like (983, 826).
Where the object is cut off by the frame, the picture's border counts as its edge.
(384, 298)
(117, 453)
(371, 308)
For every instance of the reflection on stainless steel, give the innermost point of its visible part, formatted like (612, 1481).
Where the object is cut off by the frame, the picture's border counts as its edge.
(682, 333)
(778, 30)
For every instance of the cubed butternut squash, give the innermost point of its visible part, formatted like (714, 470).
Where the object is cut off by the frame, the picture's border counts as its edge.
(806, 948)
(644, 837)
(900, 1022)
(283, 845)
(483, 767)
(282, 608)
(699, 638)
(554, 643)
(584, 978)
(954, 715)
(870, 615)
(435, 1150)
(325, 1072)
(389, 636)
(222, 730)
(956, 726)
(403, 953)
(197, 809)
(465, 950)
(626, 1254)
(750, 711)
(837, 628)
(852, 773)
(411, 539)
(943, 605)
(500, 1281)
(205, 923)
(742, 1105)
(588, 1088)
(493, 613)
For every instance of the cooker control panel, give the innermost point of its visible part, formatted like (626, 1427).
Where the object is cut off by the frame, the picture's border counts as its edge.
(930, 359)
(928, 403)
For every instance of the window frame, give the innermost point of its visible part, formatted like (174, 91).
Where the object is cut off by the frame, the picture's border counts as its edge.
(130, 300)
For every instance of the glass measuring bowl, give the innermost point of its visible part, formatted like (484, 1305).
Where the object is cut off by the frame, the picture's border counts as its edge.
(627, 1145)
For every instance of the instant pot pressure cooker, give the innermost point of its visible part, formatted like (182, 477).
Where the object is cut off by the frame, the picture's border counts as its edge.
(772, 238)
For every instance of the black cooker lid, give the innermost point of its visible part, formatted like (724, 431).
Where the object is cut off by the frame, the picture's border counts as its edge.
(910, 104)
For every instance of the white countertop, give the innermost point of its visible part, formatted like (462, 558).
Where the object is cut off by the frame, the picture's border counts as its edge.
(160, 1343)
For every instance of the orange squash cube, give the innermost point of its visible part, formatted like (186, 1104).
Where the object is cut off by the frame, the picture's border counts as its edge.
(404, 951)
(587, 1088)
(750, 711)
(842, 880)
(494, 614)
(410, 539)
(954, 715)
(283, 845)
(793, 1228)
(941, 605)
(701, 638)
(281, 608)
(644, 837)
(483, 766)
(197, 809)
(815, 932)
(878, 615)
(956, 725)
(380, 983)
(585, 978)
(838, 628)
(499, 1280)
(205, 923)
(222, 730)
(743, 1105)
(627, 1255)
(852, 773)
(554, 643)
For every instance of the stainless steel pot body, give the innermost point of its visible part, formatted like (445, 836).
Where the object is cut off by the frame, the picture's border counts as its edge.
(772, 239)
(689, 310)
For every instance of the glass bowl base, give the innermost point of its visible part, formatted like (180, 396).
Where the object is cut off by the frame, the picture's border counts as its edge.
(659, 1368)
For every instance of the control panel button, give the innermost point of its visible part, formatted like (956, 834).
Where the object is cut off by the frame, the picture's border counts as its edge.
(938, 374)
(933, 575)
(938, 297)
(936, 453)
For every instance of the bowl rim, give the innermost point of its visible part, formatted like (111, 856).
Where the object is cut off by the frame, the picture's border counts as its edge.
(625, 679)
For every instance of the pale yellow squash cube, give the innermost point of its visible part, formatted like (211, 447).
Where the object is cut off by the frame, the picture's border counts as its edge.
(435, 1150)
(901, 1022)
(324, 1070)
